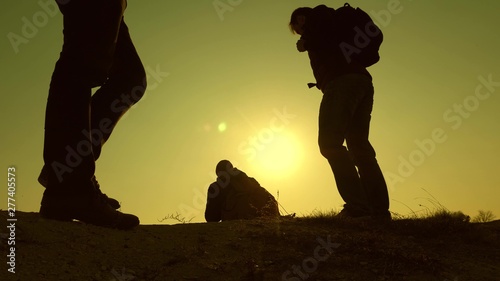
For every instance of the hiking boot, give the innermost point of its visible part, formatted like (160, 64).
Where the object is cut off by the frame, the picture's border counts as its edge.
(111, 201)
(348, 213)
(43, 180)
(86, 206)
(382, 217)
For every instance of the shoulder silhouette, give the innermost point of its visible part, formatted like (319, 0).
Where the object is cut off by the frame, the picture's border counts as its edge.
(235, 195)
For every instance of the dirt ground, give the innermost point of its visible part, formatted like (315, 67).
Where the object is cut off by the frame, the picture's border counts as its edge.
(286, 249)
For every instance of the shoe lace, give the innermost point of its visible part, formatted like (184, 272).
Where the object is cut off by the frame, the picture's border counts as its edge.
(97, 188)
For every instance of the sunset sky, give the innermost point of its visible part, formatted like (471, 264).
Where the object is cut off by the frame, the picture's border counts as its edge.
(226, 82)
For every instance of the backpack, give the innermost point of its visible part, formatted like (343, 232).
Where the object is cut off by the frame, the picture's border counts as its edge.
(360, 38)
(246, 199)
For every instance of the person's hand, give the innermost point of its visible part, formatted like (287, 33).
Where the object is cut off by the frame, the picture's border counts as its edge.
(301, 45)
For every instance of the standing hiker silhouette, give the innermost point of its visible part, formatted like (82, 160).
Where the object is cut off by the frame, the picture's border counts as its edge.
(344, 113)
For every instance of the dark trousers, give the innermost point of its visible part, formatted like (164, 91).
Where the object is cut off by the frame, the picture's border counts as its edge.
(97, 52)
(344, 115)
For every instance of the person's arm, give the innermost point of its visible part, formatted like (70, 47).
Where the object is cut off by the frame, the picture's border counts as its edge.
(214, 203)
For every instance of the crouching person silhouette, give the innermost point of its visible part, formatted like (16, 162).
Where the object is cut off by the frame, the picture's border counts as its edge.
(237, 196)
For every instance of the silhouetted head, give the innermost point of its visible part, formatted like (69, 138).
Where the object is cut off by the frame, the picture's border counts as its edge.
(223, 166)
(298, 19)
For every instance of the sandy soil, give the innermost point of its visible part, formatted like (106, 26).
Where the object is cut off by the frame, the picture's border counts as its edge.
(286, 249)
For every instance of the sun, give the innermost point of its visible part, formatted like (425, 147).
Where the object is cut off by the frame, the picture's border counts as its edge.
(280, 156)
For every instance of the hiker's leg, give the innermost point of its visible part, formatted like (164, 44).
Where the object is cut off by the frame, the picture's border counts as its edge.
(90, 32)
(336, 110)
(126, 86)
(363, 153)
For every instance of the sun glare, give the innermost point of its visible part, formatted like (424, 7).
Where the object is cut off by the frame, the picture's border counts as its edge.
(280, 156)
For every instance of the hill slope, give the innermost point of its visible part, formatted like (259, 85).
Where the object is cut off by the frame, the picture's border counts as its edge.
(289, 249)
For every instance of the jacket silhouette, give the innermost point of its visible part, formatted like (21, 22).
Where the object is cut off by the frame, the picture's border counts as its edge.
(234, 195)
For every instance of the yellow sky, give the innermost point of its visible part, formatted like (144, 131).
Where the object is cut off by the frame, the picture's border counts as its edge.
(226, 82)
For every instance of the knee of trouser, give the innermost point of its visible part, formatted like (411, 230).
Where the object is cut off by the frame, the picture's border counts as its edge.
(138, 84)
(330, 144)
(331, 151)
(96, 76)
(93, 66)
(81, 71)
(132, 84)
(361, 152)
(362, 160)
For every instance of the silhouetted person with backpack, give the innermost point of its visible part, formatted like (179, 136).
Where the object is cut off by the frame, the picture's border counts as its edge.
(237, 196)
(336, 56)
(97, 52)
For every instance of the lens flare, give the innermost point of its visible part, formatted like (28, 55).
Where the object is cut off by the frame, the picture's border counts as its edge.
(222, 127)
